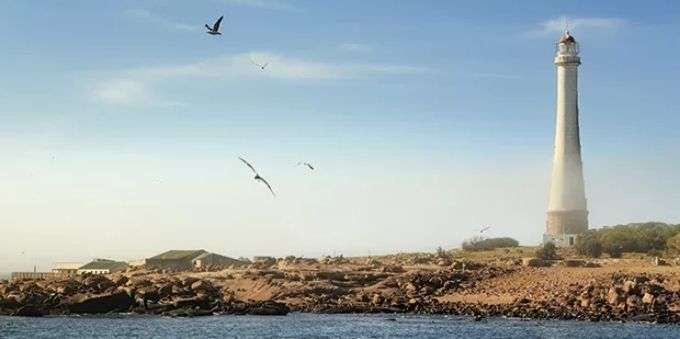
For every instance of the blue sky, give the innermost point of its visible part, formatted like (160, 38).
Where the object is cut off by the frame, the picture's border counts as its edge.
(121, 122)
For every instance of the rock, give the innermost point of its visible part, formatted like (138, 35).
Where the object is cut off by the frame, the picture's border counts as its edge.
(29, 311)
(165, 290)
(130, 291)
(97, 282)
(188, 281)
(392, 269)
(66, 289)
(573, 263)
(630, 287)
(121, 280)
(614, 296)
(117, 301)
(648, 298)
(268, 308)
(192, 302)
(410, 288)
(632, 301)
(148, 294)
(377, 299)
(139, 283)
(199, 285)
(533, 262)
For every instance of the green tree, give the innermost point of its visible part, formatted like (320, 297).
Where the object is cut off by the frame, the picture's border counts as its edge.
(614, 250)
(588, 244)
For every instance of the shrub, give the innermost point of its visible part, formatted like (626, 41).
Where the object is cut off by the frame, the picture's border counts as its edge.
(484, 244)
(547, 252)
(673, 243)
(614, 251)
(639, 237)
(589, 245)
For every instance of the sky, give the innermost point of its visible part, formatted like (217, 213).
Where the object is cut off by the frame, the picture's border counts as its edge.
(121, 124)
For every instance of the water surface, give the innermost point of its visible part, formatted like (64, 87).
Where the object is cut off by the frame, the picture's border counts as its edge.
(321, 326)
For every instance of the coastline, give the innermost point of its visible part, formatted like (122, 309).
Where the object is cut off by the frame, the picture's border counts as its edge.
(617, 290)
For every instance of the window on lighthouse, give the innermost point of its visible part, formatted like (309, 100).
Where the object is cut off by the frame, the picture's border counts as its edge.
(567, 49)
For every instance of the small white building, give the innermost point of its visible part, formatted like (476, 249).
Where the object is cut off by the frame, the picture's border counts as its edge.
(67, 268)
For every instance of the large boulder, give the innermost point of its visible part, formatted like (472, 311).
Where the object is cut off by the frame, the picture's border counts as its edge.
(268, 308)
(97, 282)
(29, 311)
(117, 301)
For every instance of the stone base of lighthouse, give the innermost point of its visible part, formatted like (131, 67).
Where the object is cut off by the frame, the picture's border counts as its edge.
(562, 227)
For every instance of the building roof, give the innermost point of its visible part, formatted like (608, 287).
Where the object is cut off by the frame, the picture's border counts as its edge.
(215, 255)
(179, 255)
(103, 264)
(567, 38)
(67, 265)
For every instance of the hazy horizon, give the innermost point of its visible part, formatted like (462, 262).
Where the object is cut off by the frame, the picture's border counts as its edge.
(423, 122)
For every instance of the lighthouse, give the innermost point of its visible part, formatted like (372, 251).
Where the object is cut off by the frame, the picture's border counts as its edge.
(567, 211)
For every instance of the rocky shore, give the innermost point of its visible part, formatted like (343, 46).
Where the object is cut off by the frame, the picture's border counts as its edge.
(419, 285)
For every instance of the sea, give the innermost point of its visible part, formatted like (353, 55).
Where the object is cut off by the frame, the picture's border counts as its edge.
(303, 325)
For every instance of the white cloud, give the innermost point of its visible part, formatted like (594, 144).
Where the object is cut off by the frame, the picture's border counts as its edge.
(120, 91)
(355, 47)
(264, 4)
(557, 25)
(148, 17)
(133, 85)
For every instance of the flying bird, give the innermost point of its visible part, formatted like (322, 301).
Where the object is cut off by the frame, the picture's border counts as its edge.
(261, 66)
(215, 29)
(484, 229)
(306, 164)
(258, 177)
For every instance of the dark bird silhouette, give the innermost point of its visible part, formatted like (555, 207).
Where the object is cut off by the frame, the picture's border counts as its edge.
(261, 66)
(306, 164)
(215, 29)
(484, 229)
(257, 176)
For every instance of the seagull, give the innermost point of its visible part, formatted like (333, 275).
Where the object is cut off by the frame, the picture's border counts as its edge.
(257, 176)
(215, 29)
(306, 164)
(261, 66)
(484, 229)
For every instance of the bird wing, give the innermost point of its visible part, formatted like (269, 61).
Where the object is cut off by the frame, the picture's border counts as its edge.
(310, 166)
(217, 23)
(253, 62)
(208, 27)
(266, 183)
(249, 165)
(265, 65)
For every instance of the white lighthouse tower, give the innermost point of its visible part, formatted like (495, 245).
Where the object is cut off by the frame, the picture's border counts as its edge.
(567, 210)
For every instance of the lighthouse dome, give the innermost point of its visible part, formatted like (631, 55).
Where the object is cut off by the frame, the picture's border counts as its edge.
(567, 38)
